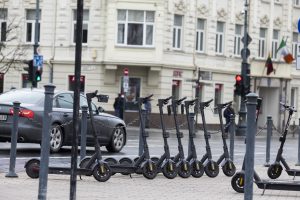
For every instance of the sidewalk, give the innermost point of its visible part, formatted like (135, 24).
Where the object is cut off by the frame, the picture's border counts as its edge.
(120, 187)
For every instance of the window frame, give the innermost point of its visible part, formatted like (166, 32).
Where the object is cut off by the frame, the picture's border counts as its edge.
(262, 44)
(297, 2)
(32, 23)
(144, 23)
(237, 46)
(177, 40)
(84, 22)
(3, 19)
(295, 44)
(220, 36)
(275, 44)
(200, 34)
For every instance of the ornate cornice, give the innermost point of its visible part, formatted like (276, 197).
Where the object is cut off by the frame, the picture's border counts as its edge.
(264, 21)
(202, 9)
(222, 14)
(180, 6)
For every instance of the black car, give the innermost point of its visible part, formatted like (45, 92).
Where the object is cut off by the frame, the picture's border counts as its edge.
(111, 130)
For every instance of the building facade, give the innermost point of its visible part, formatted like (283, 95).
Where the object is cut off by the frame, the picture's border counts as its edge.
(162, 44)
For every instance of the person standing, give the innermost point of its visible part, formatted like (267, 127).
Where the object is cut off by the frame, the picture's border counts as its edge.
(119, 106)
(227, 113)
(148, 109)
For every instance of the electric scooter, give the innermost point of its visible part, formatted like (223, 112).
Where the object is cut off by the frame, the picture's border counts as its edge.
(183, 166)
(275, 169)
(238, 180)
(165, 164)
(91, 165)
(143, 164)
(196, 165)
(227, 164)
(211, 168)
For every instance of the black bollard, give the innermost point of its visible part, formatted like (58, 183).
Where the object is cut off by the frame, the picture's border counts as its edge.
(14, 138)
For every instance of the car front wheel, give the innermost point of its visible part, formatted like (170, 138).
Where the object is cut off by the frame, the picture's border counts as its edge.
(56, 138)
(117, 140)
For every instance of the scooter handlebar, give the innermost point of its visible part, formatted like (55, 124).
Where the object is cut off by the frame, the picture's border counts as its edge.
(206, 103)
(148, 98)
(223, 105)
(179, 101)
(91, 94)
(166, 101)
(290, 108)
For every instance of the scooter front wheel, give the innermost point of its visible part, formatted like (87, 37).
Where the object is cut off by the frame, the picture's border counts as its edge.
(33, 168)
(274, 171)
(211, 169)
(238, 182)
(149, 169)
(102, 172)
(111, 161)
(197, 168)
(83, 164)
(184, 169)
(169, 169)
(229, 168)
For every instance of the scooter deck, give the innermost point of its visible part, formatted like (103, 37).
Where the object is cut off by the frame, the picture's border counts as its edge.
(293, 172)
(67, 171)
(278, 185)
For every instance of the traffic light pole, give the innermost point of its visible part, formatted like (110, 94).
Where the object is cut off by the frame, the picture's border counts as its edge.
(36, 39)
(245, 72)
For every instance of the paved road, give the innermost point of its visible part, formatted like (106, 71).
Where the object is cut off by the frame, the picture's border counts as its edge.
(137, 187)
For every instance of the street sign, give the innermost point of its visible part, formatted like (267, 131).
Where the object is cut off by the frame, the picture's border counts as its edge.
(299, 25)
(298, 57)
(125, 83)
(38, 60)
(247, 53)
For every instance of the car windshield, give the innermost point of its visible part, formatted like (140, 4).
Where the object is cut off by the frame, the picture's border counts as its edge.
(28, 97)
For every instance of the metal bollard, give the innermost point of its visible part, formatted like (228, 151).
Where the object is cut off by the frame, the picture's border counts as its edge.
(191, 118)
(269, 134)
(45, 147)
(231, 136)
(250, 145)
(13, 144)
(83, 132)
(142, 128)
(298, 163)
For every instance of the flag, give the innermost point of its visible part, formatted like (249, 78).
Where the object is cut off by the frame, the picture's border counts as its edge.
(269, 65)
(284, 52)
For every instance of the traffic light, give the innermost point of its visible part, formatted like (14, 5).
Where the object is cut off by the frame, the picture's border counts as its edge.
(238, 85)
(29, 69)
(38, 75)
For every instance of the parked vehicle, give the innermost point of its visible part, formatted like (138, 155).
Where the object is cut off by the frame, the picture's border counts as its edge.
(111, 129)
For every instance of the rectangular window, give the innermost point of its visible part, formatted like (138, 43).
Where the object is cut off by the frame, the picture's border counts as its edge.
(85, 23)
(294, 94)
(219, 48)
(200, 35)
(30, 26)
(238, 39)
(177, 31)
(262, 42)
(275, 41)
(1, 82)
(72, 83)
(3, 23)
(135, 28)
(294, 44)
(176, 85)
(218, 95)
(133, 93)
(297, 2)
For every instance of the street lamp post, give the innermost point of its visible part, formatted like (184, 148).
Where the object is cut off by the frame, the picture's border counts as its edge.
(245, 72)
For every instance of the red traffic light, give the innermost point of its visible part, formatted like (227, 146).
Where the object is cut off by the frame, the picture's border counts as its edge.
(126, 72)
(238, 78)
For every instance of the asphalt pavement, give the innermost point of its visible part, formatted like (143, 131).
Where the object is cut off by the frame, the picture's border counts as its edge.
(137, 187)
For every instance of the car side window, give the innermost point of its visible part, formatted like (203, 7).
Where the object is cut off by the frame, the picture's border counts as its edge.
(64, 100)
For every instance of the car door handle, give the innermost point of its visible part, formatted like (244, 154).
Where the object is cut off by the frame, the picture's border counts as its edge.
(66, 115)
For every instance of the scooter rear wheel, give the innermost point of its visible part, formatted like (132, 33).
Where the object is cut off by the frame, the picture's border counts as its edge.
(125, 161)
(111, 161)
(211, 169)
(33, 168)
(83, 164)
(184, 169)
(229, 168)
(238, 182)
(169, 169)
(101, 172)
(274, 171)
(149, 169)
(197, 168)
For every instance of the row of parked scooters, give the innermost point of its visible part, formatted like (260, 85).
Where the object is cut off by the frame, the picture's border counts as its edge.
(149, 167)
